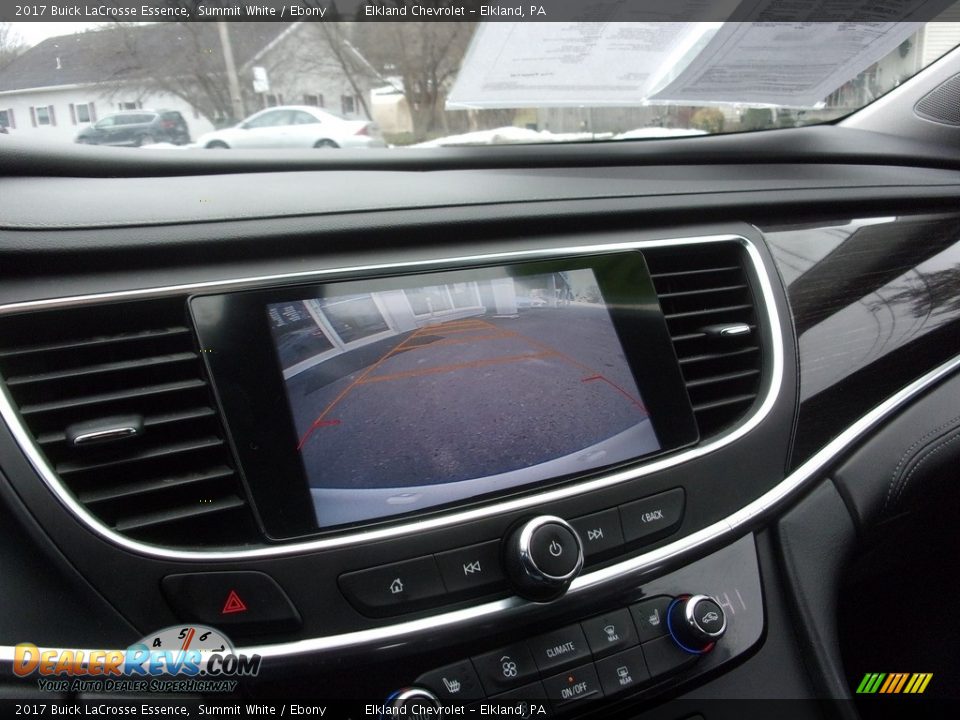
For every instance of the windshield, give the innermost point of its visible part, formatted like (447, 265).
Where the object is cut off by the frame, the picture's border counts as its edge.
(390, 81)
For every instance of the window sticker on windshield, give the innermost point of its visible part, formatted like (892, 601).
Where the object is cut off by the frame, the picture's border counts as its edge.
(796, 65)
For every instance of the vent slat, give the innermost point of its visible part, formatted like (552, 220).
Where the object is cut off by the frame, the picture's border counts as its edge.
(87, 365)
(727, 309)
(702, 291)
(92, 497)
(726, 377)
(725, 402)
(688, 336)
(132, 393)
(688, 273)
(194, 413)
(101, 369)
(94, 342)
(157, 453)
(701, 288)
(149, 520)
(717, 355)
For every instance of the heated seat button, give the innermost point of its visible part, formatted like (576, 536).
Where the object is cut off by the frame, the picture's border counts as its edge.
(580, 683)
(623, 671)
(653, 517)
(395, 588)
(560, 648)
(476, 567)
(247, 602)
(610, 633)
(650, 617)
(600, 533)
(457, 682)
(505, 668)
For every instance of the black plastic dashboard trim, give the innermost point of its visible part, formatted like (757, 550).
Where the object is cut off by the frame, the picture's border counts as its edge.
(808, 145)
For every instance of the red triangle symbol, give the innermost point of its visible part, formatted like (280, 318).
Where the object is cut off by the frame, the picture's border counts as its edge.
(233, 604)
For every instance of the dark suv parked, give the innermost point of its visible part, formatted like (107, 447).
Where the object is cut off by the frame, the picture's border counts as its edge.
(136, 128)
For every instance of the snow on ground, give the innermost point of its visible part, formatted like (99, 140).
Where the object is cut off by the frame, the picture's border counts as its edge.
(516, 135)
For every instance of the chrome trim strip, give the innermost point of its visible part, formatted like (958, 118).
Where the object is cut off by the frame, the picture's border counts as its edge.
(727, 529)
(33, 454)
(101, 435)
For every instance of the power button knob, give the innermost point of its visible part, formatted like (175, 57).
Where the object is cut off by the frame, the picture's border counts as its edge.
(543, 556)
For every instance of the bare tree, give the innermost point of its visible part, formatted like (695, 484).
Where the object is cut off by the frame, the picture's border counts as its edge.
(335, 38)
(424, 58)
(11, 44)
(183, 59)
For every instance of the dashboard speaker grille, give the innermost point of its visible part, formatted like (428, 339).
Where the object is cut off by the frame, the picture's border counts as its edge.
(709, 306)
(942, 104)
(117, 400)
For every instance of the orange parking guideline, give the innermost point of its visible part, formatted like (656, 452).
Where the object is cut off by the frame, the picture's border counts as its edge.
(320, 418)
(437, 369)
(461, 340)
(457, 326)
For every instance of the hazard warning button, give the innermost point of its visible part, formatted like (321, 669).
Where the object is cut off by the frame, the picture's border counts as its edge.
(247, 603)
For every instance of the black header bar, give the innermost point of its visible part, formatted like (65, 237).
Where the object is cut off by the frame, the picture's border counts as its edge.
(467, 10)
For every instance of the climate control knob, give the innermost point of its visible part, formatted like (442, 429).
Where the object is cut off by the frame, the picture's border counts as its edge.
(542, 557)
(696, 622)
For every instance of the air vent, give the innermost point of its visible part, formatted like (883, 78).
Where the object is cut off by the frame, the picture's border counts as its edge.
(116, 398)
(709, 307)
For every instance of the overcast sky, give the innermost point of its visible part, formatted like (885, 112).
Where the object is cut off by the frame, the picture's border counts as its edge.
(33, 32)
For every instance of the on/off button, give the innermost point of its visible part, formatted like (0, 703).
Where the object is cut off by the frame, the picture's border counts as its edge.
(555, 550)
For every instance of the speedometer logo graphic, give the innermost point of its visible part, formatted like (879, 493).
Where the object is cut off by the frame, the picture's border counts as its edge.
(189, 637)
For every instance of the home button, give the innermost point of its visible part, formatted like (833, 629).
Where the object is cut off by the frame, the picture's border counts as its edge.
(395, 588)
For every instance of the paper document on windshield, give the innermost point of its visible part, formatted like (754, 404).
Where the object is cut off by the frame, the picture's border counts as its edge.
(563, 64)
(796, 64)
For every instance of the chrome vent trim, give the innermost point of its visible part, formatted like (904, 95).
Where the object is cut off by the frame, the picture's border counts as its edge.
(768, 317)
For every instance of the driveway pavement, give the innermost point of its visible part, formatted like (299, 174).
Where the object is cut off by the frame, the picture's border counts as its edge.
(471, 398)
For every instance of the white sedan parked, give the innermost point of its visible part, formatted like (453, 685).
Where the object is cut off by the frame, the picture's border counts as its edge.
(295, 126)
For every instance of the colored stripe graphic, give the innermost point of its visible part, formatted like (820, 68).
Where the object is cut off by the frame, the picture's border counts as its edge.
(894, 683)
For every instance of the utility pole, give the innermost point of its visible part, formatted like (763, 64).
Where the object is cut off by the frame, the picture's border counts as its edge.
(236, 99)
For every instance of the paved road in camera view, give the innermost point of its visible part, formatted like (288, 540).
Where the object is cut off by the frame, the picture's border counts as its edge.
(471, 398)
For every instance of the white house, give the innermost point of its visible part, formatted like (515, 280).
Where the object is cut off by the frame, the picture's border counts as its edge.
(65, 83)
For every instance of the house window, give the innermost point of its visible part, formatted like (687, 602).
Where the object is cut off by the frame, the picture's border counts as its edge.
(6, 119)
(313, 99)
(272, 100)
(129, 106)
(43, 115)
(348, 104)
(80, 113)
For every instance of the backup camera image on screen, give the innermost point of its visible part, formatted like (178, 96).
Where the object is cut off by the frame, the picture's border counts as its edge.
(411, 398)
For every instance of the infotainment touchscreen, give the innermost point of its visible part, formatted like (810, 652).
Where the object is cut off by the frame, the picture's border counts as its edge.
(412, 398)
(364, 400)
